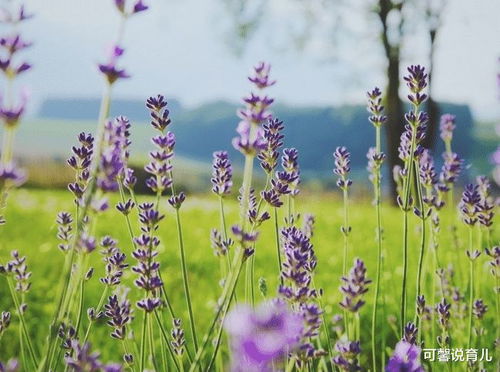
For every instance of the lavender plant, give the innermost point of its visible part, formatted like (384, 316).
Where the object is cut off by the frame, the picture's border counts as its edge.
(375, 160)
(290, 332)
(12, 108)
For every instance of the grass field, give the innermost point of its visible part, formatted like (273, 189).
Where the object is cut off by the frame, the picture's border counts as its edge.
(31, 230)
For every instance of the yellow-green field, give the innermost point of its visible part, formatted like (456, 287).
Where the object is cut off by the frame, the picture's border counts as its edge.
(31, 229)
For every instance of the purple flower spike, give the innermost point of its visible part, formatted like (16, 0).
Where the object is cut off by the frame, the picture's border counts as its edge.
(375, 108)
(119, 314)
(222, 174)
(274, 140)
(251, 136)
(261, 76)
(11, 366)
(11, 115)
(347, 360)
(82, 359)
(416, 80)
(110, 69)
(342, 167)
(406, 357)
(300, 261)
(375, 161)
(11, 176)
(479, 308)
(262, 336)
(450, 171)
(178, 341)
(446, 127)
(139, 6)
(470, 204)
(354, 287)
(114, 155)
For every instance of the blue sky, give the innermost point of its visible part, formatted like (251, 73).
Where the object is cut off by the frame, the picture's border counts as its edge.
(179, 48)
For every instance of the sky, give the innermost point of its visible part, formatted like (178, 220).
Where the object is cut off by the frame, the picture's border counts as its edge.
(179, 48)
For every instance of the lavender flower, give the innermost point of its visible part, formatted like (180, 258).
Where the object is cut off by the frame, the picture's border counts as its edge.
(479, 308)
(290, 164)
(469, 204)
(262, 336)
(300, 261)
(251, 136)
(246, 239)
(11, 366)
(494, 253)
(486, 206)
(375, 161)
(222, 174)
(11, 176)
(274, 140)
(145, 253)
(137, 7)
(119, 314)
(450, 171)
(342, 167)
(114, 260)
(178, 341)
(308, 225)
(114, 155)
(219, 245)
(410, 333)
(375, 108)
(83, 360)
(446, 127)
(159, 113)
(4, 322)
(416, 81)
(347, 360)
(443, 312)
(18, 268)
(406, 357)
(354, 287)
(125, 207)
(160, 166)
(80, 161)
(110, 70)
(64, 228)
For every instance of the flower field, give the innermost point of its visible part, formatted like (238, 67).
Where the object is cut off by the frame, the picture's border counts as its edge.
(248, 275)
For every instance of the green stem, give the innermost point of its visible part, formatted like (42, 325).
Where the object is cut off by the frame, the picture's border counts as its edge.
(165, 337)
(277, 241)
(31, 350)
(471, 288)
(142, 357)
(185, 280)
(98, 309)
(379, 263)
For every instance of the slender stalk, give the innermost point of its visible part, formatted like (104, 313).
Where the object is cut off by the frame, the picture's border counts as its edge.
(345, 231)
(423, 239)
(277, 241)
(379, 252)
(471, 283)
(164, 335)
(142, 357)
(31, 350)
(407, 195)
(98, 309)
(185, 279)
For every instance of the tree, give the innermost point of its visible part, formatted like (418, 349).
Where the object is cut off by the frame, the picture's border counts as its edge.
(391, 17)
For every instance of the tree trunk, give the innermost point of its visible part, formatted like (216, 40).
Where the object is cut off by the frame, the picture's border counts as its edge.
(394, 126)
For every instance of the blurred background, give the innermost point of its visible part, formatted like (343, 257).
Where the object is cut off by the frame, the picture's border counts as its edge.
(325, 55)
